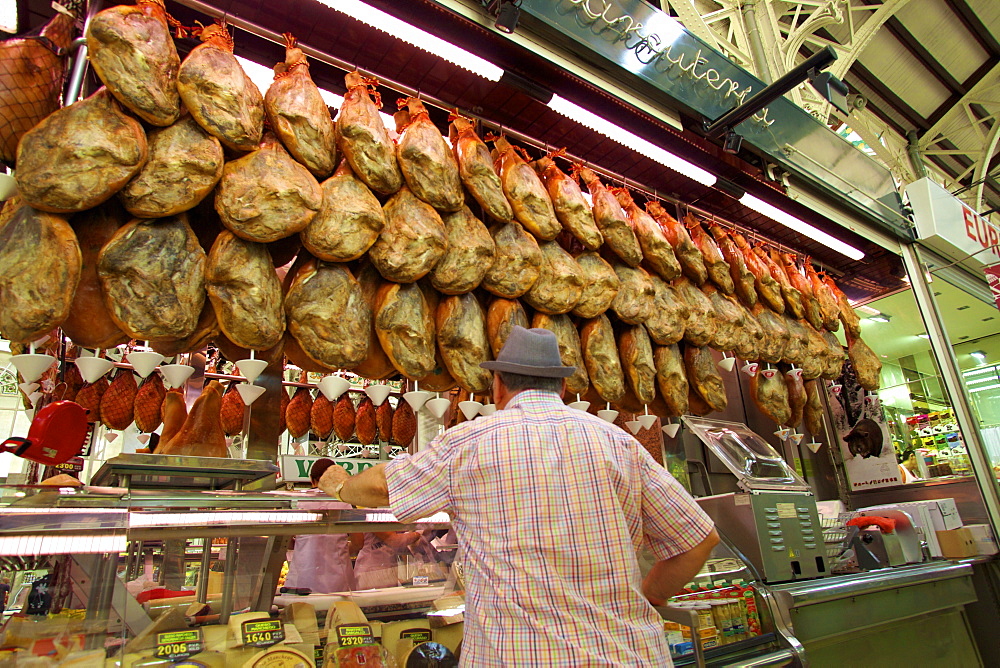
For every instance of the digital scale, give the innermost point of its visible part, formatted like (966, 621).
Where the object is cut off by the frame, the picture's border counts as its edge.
(774, 521)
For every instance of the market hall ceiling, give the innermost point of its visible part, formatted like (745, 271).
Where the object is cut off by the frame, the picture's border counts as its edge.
(352, 42)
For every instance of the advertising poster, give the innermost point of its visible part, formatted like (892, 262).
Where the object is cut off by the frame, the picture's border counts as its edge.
(863, 435)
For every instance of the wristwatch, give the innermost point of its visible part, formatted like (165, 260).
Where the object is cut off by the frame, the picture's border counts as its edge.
(336, 490)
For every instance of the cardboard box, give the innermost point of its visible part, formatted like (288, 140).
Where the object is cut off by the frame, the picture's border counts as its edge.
(982, 536)
(957, 543)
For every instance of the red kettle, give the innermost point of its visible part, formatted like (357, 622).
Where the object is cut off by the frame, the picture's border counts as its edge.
(56, 435)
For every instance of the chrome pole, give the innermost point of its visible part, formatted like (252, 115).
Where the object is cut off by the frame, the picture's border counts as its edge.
(75, 85)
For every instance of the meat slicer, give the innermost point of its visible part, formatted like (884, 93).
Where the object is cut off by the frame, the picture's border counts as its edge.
(774, 521)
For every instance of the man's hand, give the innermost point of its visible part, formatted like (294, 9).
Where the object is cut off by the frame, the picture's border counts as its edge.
(332, 477)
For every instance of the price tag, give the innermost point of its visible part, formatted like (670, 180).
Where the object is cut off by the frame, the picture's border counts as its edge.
(178, 645)
(262, 632)
(421, 581)
(353, 635)
(417, 635)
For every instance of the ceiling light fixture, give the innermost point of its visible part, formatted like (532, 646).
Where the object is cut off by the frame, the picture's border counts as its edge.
(630, 140)
(924, 336)
(979, 355)
(507, 16)
(800, 226)
(421, 39)
(879, 317)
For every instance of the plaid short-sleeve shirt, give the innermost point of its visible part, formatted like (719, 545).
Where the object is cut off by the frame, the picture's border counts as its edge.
(549, 505)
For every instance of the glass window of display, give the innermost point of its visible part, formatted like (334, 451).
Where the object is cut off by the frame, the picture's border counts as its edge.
(923, 429)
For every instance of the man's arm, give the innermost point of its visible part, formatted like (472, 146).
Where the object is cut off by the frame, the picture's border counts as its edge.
(367, 489)
(668, 576)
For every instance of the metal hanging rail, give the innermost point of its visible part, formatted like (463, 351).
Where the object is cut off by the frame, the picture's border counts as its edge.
(346, 66)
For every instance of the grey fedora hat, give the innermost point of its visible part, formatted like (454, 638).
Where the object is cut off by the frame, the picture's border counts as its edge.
(530, 352)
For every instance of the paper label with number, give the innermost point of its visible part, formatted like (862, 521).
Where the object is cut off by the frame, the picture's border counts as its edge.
(178, 645)
(262, 632)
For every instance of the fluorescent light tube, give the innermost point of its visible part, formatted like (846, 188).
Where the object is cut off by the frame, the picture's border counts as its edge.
(629, 140)
(421, 39)
(800, 226)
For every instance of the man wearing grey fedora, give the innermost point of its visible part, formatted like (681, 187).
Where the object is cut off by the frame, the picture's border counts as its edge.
(549, 549)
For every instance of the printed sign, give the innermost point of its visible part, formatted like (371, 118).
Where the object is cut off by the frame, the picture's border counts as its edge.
(950, 227)
(993, 277)
(417, 635)
(295, 468)
(178, 645)
(353, 635)
(262, 632)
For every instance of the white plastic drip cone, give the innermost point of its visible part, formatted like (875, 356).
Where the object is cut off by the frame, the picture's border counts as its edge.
(378, 393)
(92, 368)
(176, 374)
(251, 369)
(488, 409)
(607, 414)
(438, 407)
(633, 426)
(416, 399)
(672, 429)
(28, 388)
(727, 363)
(647, 420)
(144, 362)
(249, 392)
(470, 409)
(31, 366)
(580, 405)
(814, 446)
(333, 386)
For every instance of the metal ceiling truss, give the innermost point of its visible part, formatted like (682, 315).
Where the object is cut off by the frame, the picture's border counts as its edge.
(958, 141)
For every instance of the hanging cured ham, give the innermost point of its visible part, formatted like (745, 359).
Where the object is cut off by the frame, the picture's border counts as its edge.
(501, 317)
(828, 306)
(427, 162)
(201, 435)
(41, 269)
(526, 193)
(299, 411)
(776, 334)
(376, 364)
(232, 410)
(470, 254)
(132, 51)
(813, 410)
(700, 325)
(867, 365)
(833, 366)
(174, 412)
(690, 258)
(219, 94)
(791, 296)
(636, 353)
(750, 340)
(80, 155)
(571, 207)
(183, 166)
(149, 403)
(349, 219)
(728, 319)
(634, 302)
(817, 352)
(383, 420)
(31, 77)
(669, 314)
(798, 341)
(328, 314)
(298, 114)
(344, 417)
(770, 395)
(118, 402)
(412, 241)
(600, 355)
(245, 292)
(560, 281)
(715, 263)
(612, 221)
(89, 397)
(365, 425)
(743, 279)
(404, 424)
(852, 323)
(463, 341)
(671, 378)
(266, 195)
(600, 285)
(704, 378)
(767, 288)
(204, 333)
(321, 418)
(404, 322)
(153, 276)
(657, 253)
(810, 306)
(796, 398)
(363, 139)
(516, 263)
(476, 170)
(570, 351)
